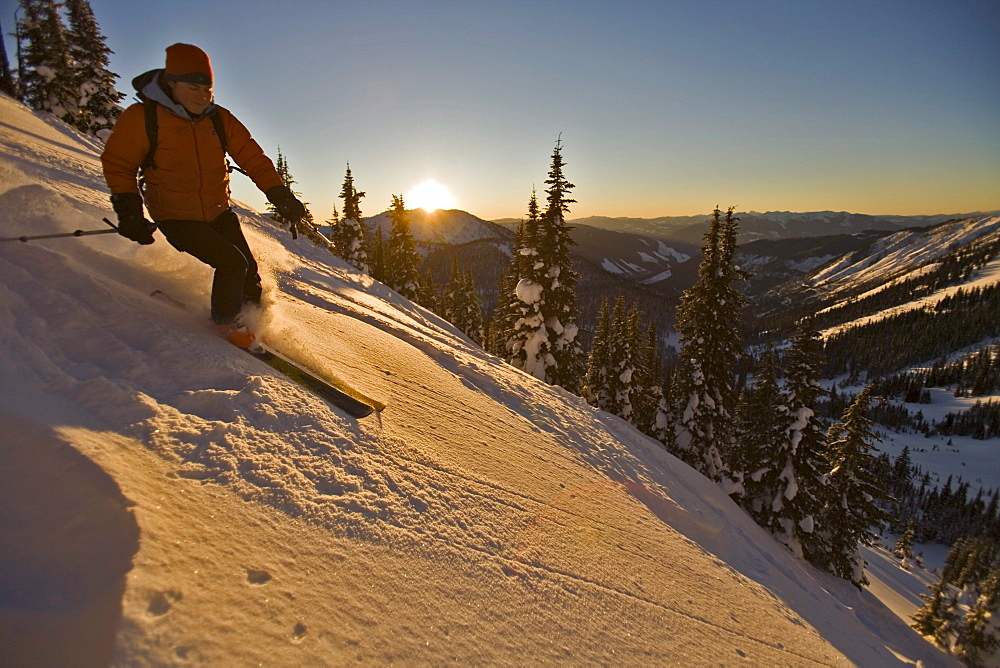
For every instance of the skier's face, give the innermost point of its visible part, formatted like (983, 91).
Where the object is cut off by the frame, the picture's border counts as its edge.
(192, 97)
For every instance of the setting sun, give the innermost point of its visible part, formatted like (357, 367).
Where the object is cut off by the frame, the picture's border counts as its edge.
(430, 196)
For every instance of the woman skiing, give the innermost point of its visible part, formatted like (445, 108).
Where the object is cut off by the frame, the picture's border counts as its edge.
(178, 137)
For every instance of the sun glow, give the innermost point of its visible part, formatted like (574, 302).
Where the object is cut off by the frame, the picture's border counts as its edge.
(430, 196)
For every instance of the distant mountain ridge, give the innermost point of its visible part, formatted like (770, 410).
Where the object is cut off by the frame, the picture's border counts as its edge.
(638, 258)
(806, 275)
(443, 226)
(770, 225)
(456, 227)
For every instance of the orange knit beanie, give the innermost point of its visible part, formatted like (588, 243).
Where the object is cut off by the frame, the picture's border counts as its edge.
(188, 63)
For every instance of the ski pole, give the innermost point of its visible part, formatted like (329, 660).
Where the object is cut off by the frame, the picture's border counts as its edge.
(76, 233)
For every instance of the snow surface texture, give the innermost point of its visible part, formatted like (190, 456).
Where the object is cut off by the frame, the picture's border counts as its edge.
(483, 518)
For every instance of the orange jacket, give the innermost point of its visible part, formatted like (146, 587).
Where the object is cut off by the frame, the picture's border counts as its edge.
(190, 180)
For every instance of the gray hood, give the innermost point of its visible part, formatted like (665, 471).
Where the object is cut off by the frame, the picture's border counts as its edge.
(148, 87)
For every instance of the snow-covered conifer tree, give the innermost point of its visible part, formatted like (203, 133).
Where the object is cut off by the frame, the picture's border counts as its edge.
(801, 464)
(626, 333)
(761, 440)
(543, 340)
(620, 368)
(618, 358)
(960, 612)
(448, 301)
(376, 256)
(49, 81)
(647, 383)
(527, 344)
(938, 618)
(559, 280)
(472, 319)
(97, 96)
(402, 262)
(708, 321)
(508, 307)
(978, 642)
(348, 235)
(459, 303)
(427, 291)
(663, 421)
(596, 385)
(852, 515)
(505, 312)
(904, 544)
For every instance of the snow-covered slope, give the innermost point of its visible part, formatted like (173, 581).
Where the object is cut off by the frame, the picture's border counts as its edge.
(169, 499)
(645, 260)
(891, 257)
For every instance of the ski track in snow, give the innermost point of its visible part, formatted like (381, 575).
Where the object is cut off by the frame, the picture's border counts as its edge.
(483, 517)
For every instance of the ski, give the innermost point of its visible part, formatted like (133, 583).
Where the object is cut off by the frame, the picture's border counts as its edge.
(335, 393)
(343, 398)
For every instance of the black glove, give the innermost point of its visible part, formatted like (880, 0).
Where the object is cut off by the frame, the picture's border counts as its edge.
(286, 204)
(132, 224)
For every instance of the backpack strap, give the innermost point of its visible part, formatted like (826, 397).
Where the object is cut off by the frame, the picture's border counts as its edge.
(152, 132)
(220, 129)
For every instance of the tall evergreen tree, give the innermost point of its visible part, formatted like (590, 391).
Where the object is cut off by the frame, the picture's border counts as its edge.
(427, 291)
(979, 634)
(543, 340)
(348, 234)
(664, 422)
(402, 262)
(904, 544)
(472, 318)
(615, 379)
(623, 354)
(799, 487)
(450, 302)
(506, 309)
(937, 618)
(560, 280)
(48, 83)
(648, 383)
(853, 514)
(97, 97)
(505, 312)
(527, 345)
(708, 322)
(761, 452)
(596, 383)
(377, 257)
(460, 303)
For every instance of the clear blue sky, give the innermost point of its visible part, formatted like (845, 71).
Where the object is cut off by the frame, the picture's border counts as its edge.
(665, 108)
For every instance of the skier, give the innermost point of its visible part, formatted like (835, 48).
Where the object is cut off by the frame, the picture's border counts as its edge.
(178, 137)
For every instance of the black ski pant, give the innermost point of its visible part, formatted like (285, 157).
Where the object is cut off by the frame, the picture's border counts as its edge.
(221, 244)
